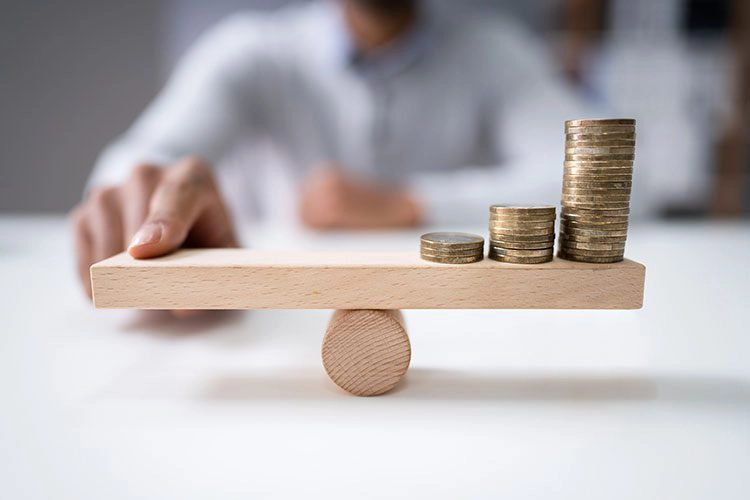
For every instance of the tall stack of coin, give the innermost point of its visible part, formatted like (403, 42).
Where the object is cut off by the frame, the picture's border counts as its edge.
(522, 234)
(452, 248)
(597, 177)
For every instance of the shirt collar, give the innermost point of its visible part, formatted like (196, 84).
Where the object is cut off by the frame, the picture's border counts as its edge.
(398, 56)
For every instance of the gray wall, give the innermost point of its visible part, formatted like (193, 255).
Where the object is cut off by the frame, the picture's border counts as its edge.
(73, 74)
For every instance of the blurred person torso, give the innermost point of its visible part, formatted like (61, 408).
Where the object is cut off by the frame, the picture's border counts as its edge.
(466, 111)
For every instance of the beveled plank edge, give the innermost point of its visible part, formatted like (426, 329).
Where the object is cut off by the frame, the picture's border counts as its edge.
(637, 283)
(216, 258)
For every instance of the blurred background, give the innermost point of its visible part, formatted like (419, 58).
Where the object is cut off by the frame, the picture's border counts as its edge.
(75, 74)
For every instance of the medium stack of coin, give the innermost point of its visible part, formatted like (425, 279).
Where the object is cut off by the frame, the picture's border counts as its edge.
(522, 234)
(452, 248)
(597, 177)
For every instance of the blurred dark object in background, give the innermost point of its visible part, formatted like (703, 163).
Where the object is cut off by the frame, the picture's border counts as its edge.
(732, 186)
(703, 16)
(585, 24)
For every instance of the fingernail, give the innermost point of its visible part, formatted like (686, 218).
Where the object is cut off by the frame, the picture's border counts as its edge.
(150, 233)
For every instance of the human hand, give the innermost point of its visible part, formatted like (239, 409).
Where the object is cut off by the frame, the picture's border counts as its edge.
(332, 199)
(154, 212)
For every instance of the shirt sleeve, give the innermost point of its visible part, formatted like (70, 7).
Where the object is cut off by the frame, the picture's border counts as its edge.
(212, 97)
(528, 104)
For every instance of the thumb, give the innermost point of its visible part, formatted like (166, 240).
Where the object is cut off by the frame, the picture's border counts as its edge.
(176, 204)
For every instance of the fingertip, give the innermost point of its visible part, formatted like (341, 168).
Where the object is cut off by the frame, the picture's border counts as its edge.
(143, 251)
(148, 241)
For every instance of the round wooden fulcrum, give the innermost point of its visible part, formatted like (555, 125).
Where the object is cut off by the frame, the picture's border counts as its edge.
(366, 351)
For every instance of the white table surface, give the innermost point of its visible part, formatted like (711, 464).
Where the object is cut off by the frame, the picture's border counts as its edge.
(497, 404)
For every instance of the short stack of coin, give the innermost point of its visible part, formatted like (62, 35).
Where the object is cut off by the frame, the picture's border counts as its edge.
(522, 234)
(451, 248)
(597, 178)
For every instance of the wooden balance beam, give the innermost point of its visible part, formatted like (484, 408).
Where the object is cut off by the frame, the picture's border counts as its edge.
(366, 349)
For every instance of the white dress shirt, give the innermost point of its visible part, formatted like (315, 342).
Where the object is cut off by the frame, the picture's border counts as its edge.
(464, 112)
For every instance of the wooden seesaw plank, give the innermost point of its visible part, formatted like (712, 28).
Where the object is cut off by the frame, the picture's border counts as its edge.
(254, 279)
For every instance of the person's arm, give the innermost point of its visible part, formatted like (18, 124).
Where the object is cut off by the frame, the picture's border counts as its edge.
(153, 189)
(213, 96)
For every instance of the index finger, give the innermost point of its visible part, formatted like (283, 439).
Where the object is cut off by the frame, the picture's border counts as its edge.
(176, 204)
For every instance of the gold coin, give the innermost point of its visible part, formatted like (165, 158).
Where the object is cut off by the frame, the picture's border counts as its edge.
(605, 192)
(600, 160)
(578, 175)
(598, 184)
(606, 210)
(591, 253)
(593, 221)
(524, 210)
(454, 247)
(521, 223)
(586, 195)
(451, 238)
(601, 167)
(590, 205)
(584, 212)
(570, 233)
(568, 226)
(451, 254)
(594, 198)
(601, 130)
(505, 233)
(594, 239)
(566, 238)
(595, 191)
(584, 245)
(573, 231)
(522, 220)
(520, 227)
(600, 250)
(599, 143)
(584, 235)
(519, 260)
(513, 252)
(589, 259)
(603, 173)
(606, 162)
(460, 252)
(602, 157)
(579, 179)
(523, 226)
(575, 149)
(611, 136)
(594, 176)
(568, 244)
(523, 217)
(596, 122)
(522, 238)
(567, 179)
(454, 260)
(595, 204)
(596, 219)
(587, 226)
(520, 245)
(598, 173)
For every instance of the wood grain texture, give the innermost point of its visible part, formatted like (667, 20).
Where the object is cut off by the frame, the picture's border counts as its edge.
(366, 352)
(252, 279)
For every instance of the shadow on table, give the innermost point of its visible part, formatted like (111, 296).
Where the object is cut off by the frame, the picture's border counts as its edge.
(166, 324)
(433, 384)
